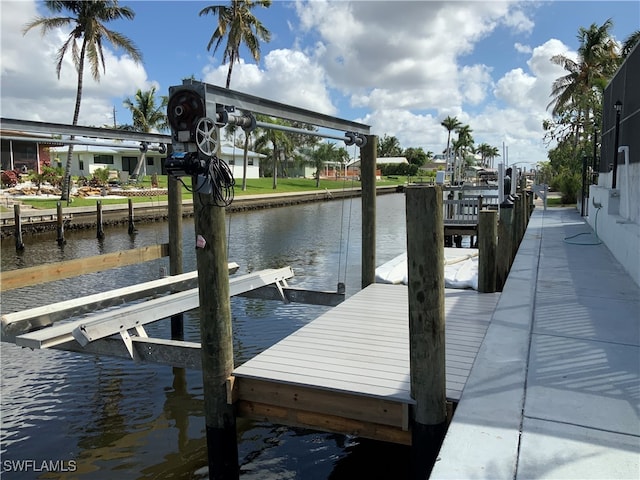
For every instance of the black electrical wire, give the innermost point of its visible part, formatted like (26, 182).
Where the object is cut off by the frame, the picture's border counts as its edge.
(220, 178)
(222, 182)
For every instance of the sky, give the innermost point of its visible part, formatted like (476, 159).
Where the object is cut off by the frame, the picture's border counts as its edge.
(399, 66)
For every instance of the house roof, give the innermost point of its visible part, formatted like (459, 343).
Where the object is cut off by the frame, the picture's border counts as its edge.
(227, 150)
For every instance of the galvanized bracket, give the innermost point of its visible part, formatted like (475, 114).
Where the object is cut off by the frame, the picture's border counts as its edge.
(126, 338)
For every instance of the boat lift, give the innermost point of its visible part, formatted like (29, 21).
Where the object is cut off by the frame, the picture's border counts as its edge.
(113, 322)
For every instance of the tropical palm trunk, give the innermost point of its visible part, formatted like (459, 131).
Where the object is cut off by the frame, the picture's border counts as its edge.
(66, 181)
(139, 165)
(275, 168)
(245, 161)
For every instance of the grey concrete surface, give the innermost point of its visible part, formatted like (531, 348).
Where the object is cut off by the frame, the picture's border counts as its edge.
(555, 389)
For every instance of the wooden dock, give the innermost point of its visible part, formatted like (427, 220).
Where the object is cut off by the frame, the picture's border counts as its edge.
(348, 370)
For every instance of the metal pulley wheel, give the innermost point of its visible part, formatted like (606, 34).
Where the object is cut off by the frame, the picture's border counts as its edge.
(207, 136)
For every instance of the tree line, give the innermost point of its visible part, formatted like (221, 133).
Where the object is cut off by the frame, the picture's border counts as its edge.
(576, 106)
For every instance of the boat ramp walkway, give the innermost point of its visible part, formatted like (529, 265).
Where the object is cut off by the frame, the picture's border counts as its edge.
(555, 389)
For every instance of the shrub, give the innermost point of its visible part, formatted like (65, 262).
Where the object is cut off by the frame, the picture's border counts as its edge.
(405, 169)
(9, 178)
(568, 184)
(100, 177)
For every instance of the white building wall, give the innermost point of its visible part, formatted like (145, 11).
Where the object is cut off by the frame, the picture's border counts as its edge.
(614, 214)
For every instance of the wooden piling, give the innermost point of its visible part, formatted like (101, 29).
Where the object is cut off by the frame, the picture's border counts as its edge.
(368, 155)
(515, 236)
(503, 256)
(60, 225)
(487, 247)
(100, 231)
(425, 254)
(216, 337)
(523, 214)
(532, 205)
(175, 246)
(17, 221)
(132, 227)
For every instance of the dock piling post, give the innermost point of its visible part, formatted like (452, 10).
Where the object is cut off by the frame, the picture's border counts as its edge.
(60, 228)
(503, 259)
(132, 228)
(175, 247)
(215, 336)
(425, 262)
(17, 220)
(517, 220)
(532, 205)
(368, 178)
(487, 247)
(523, 214)
(100, 232)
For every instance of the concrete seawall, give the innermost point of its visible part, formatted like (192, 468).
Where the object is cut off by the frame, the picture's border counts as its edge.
(37, 221)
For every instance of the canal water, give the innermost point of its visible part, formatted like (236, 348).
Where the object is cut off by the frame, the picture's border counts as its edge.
(66, 415)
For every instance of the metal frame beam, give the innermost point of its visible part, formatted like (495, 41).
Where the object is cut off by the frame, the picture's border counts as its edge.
(223, 96)
(63, 142)
(29, 126)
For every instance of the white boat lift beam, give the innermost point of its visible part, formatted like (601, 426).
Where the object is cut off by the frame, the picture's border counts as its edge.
(120, 331)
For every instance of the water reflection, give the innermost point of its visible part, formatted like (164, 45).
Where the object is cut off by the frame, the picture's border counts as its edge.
(122, 420)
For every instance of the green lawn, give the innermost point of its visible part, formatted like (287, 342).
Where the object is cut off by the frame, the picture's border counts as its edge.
(254, 186)
(557, 202)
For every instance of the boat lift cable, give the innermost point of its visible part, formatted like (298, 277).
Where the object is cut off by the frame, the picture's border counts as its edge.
(346, 262)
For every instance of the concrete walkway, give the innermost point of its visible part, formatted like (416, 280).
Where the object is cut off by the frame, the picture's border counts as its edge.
(555, 389)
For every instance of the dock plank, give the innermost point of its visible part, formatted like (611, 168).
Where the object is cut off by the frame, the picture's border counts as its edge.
(361, 346)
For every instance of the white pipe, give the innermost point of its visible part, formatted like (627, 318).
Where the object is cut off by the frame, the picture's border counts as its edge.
(625, 149)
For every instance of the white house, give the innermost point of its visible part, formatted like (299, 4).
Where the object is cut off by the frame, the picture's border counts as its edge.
(120, 156)
(234, 157)
(123, 157)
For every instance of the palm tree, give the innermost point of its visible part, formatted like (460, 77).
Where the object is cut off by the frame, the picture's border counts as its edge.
(88, 19)
(240, 26)
(281, 144)
(389, 146)
(488, 153)
(147, 117)
(462, 145)
(492, 152)
(629, 43)
(451, 124)
(579, 92)
(482, 149)
(323, 154)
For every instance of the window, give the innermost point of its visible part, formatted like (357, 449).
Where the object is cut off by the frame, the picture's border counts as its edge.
(232, 162)
(81, 163)
(249, 161)
(103, 159)
(150, 161)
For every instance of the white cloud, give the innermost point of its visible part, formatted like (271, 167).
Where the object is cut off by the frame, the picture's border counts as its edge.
(31, 89)
(288, 76)
(518, 21)
(474, 83)
(520, 48)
